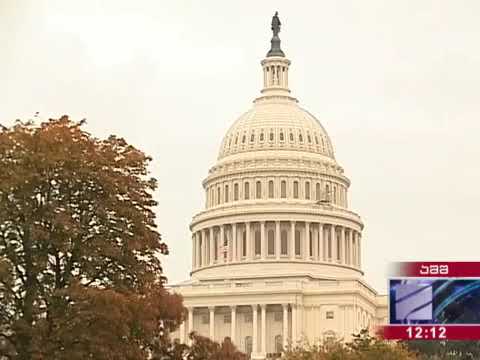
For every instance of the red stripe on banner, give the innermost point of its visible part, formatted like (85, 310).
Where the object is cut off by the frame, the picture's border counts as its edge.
(429, 332)
(437, 269)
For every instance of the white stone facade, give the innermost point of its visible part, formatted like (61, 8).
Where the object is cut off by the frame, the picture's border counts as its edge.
(276, 254)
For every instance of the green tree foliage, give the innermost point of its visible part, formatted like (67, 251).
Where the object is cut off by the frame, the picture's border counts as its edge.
(362, 347)
(80, 275)
(445, 350)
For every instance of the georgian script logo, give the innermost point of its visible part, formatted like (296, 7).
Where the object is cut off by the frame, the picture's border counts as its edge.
(434, 270)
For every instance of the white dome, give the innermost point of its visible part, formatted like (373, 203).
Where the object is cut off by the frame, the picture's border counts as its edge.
(276, 199)
(276, 124)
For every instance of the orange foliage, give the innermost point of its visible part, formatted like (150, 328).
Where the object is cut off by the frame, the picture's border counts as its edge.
(80, 275)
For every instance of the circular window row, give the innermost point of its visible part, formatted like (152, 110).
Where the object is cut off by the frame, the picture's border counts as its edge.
(319, 191)
(284, 137)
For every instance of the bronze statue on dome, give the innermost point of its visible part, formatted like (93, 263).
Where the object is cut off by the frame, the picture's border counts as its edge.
(275, 42)
(276, 24)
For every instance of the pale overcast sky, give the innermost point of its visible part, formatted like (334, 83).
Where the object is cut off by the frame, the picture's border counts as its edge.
(395, 83)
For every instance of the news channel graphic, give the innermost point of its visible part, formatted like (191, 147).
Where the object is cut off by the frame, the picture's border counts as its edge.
(433, 301)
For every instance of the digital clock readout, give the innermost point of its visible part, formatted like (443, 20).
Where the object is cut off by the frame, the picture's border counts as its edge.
(430, 332)
(426, 332)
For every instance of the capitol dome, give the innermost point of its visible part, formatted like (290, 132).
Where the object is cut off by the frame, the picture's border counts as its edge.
(276, 251)
(276, 124)
(276, 197)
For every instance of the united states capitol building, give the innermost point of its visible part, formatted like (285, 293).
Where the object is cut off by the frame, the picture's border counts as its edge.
(276, 253)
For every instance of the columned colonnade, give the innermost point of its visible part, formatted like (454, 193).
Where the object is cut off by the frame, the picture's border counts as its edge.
(297, 321)
(290, 325)
(276, 240)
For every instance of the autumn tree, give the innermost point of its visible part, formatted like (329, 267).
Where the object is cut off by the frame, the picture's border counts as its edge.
(80, 275)
(201, 348)
(204, 348)
(362, 347)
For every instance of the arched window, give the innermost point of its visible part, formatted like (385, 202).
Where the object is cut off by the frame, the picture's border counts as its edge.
(283, 189)
(246, 191)
(252, 137)
(295, 189)
(329, 336)
(334, 190)
(300, 137)
(258, 190)
(258, 243)
(270, 189)
(284, 242)
(307, 190)
(243, 139)
(248, 345)
(235, 191)
(316, 139)
(278, 344)
(281, 136)
(327, 192)
(271, 136)
(297, 243)
(262, 137)
(244, 243)
(218, 195)
(226, 193)
(309, 139)
(317, 191)
(291, 136)
(271, 242)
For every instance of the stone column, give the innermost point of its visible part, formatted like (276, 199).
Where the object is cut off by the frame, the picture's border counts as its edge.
(233, 325)
(348, 240)
(212, 322)
(254, 330)
(249, 245)
(264, 328)
(194, 253)
(211, 243)
(359, 240)
(190, 322)
(317, 315)
(354, 248)
(321, 245)
(333, 238)
(300, 323)
(182, 332)
(343, 259)
(294, 325)
(292, 240)
(277, 239)
(263, 246)
(198, 252)
(285, 325)
(234, 242)
(204, 247)
(221, 259)
(306, 242)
